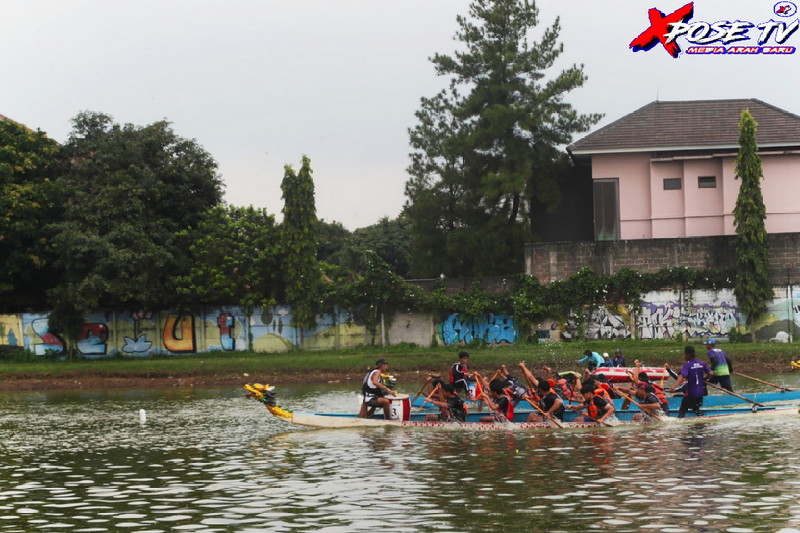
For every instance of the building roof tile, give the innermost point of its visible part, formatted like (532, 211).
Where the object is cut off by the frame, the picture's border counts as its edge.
(696, 124)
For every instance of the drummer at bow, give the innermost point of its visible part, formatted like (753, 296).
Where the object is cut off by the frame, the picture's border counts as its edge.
(375, 392)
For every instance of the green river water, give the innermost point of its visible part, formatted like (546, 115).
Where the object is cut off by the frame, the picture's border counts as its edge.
(211, 460)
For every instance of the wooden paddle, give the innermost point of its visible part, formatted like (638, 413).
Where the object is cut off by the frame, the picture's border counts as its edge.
(428, 380)
(544, 413)
(783, 389)
(726, 391)
(436, 388)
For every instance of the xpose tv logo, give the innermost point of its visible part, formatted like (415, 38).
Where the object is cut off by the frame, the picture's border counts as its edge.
(720, 37)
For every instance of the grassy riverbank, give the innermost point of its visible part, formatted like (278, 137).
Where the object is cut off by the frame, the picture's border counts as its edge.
(407, 363)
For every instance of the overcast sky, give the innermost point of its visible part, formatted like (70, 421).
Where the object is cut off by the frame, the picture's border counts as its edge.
(260, 83)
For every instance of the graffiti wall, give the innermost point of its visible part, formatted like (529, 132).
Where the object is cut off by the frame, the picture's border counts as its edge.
(662, 314)
(490, 329)
(604, 323)
(781, 322)
(670, 314)
(143, 333)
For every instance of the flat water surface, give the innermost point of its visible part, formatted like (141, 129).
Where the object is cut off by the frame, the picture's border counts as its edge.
(211, 460)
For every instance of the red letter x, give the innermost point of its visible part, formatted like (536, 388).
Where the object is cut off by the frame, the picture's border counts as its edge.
(659, 27)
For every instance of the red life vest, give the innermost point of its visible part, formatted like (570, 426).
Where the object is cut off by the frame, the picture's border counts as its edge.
(563, 389)
(592, 411)
(658, 390)
(509, 414)
(603, 393)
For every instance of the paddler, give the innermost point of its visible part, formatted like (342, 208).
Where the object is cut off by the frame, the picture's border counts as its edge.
(597, 409)
(639, 379)
(451, 405)
(498, 399)
(565, 384)
(375, 391)
(648, 402)
(518, 390)
(550, 403)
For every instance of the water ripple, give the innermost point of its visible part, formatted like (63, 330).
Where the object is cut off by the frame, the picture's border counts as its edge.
(209, 460)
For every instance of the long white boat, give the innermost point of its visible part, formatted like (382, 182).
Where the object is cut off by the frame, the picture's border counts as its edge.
(402, 416)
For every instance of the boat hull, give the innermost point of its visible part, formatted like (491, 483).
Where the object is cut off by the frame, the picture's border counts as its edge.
(339, 421)
(717, 400)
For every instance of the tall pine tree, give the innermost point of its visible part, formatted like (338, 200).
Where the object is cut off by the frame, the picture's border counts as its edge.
(488, 146)
(753, 288)
(299, 239)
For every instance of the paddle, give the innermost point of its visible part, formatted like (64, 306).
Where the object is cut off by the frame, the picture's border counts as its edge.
(545, 414)
(602, 422)
(436, 388)
(726, 391)
(783, 389)
(428, 380)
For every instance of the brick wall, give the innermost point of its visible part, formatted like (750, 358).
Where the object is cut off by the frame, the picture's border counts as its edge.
(557, 261)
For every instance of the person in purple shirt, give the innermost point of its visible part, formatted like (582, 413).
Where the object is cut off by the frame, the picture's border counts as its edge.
(694, 373)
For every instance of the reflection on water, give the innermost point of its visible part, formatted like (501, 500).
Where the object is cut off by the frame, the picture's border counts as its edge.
(210, 460)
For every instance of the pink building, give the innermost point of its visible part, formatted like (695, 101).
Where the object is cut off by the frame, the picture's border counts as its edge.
(668, 169)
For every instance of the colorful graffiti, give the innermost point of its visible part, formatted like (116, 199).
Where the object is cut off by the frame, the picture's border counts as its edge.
(490, 329)
(705, 316)
(143, 333)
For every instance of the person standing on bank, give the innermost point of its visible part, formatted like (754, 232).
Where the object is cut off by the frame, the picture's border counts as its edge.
(375, 392)
(694, 373)
(721, 365)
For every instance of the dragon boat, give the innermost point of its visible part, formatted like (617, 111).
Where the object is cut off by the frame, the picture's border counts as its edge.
(404, 416)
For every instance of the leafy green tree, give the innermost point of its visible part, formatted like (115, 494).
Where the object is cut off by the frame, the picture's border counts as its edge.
(390, 239)
(377, 294)
(487, 147)
(129, 191)
(332, 239)
(27, 195)
(299, 240)
(752, 287)
(235, 259)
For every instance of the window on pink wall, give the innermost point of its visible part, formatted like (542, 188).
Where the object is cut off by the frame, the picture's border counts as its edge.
(706, 182)
(606, 209)
(673, 184)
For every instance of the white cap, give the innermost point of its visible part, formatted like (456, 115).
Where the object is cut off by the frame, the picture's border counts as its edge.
(605, 355)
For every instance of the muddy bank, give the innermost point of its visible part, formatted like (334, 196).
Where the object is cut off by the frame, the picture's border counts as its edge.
(28, 383)
(407, 378)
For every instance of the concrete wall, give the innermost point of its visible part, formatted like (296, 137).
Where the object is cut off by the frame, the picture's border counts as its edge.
(413, 328)
(557, 261)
